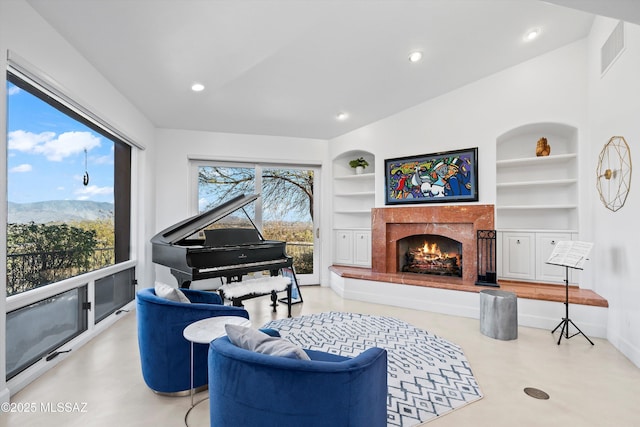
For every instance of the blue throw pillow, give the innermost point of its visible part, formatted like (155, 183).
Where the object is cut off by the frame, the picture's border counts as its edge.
(258, 341)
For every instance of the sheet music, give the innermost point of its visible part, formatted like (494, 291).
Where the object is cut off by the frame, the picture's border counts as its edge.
(570, 253)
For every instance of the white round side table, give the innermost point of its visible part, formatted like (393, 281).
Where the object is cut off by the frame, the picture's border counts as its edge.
(203, 332)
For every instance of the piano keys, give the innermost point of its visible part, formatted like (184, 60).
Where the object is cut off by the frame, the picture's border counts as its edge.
(223, 252)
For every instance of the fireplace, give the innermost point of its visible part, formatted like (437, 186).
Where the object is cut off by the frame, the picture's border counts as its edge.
(457, 222)
(430, 254)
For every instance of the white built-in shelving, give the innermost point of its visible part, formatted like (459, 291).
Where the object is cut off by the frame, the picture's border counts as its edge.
(353, 198)
(536, 199)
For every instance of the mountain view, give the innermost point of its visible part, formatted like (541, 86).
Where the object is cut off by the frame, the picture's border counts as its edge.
(59, 211)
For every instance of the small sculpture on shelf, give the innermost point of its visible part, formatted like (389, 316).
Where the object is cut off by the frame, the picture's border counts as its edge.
(359, 164)
(543, 148)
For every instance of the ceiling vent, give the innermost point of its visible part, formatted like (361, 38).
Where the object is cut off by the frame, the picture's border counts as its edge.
(612, 48)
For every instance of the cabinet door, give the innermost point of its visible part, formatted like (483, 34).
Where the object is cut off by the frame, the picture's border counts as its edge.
(545, 244)
(518, 256)
(499, 256)
(362, 248)
(344, 247)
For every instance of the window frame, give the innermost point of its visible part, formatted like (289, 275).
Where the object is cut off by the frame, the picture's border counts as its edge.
(195, 162)
(122, 164)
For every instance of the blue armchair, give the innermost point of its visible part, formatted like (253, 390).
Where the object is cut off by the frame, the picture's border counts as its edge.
(165, 354)
(253, 389)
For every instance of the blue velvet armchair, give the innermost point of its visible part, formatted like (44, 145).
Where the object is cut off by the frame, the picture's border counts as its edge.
(165, 354)
(251, 389)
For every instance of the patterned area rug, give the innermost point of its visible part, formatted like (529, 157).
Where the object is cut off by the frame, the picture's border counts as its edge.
(427, 376)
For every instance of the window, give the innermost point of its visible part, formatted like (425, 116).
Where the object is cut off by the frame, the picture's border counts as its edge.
(285, 210)
(113, 292)
(58, 320)
(68, 188)
(68, 230)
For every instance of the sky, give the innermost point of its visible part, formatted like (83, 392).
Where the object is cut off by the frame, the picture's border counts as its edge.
(46, 154)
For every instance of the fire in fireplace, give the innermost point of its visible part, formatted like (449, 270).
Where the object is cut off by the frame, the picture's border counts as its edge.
(430, 254)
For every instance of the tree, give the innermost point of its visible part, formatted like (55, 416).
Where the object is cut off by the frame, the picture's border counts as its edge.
(284, 190)
(285, 193)
(39, 254)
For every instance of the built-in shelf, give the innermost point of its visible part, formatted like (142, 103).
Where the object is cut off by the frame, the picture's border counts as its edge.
(537, 161)
(537, 192)
(516, 230)
(528, 207)
(356, 194)
(353, 198)
(536, 200)
(353, 176)
(551, 182)
(353, 211)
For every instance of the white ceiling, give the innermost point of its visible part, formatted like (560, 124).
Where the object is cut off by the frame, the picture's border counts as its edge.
(287, 67)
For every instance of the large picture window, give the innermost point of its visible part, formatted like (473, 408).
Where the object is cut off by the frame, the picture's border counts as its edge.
(68, 188)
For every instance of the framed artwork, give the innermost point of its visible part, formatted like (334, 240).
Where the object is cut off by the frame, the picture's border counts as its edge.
(450, 176)
(296, 295)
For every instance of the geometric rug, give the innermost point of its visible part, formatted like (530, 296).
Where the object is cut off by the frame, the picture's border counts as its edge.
(428, 376)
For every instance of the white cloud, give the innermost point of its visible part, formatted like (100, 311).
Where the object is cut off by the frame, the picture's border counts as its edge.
(53, 147)
(92, 190)
(13, 90)
(26, 141)
(25, 167)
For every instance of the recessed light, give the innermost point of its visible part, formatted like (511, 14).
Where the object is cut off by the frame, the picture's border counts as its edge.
(532, 34)
(197, 87)
(415, 56)
(342, 116)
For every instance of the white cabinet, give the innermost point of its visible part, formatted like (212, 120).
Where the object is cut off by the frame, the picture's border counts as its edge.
(545, 244)
(518, 256)
(362, 248)
(524, 255)
(352, 247)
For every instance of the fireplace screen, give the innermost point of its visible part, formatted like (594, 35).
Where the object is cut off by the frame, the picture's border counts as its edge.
(430, 254)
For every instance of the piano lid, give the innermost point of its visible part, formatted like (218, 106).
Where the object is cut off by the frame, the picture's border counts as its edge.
(187, 227)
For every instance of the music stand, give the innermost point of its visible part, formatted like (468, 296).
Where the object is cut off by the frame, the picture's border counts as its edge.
(569, 254)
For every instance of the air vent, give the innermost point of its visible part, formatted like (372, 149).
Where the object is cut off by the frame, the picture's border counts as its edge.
(612, 48)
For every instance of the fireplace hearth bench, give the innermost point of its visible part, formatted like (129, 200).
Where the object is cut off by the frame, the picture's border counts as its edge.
(389, 225)
(527, 290)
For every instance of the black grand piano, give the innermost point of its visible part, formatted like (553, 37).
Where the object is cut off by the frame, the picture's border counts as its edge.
(224, 252)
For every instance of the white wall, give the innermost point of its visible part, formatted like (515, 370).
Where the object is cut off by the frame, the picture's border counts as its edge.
(550, 88)
(26, 34)
(174, 184)
(614, 110)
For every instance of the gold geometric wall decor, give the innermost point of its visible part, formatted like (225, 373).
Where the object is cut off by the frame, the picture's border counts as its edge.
(614, 173)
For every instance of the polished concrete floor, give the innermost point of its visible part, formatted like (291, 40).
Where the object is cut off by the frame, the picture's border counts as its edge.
(588, 385)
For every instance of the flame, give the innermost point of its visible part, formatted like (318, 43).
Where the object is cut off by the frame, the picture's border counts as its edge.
(431, 249)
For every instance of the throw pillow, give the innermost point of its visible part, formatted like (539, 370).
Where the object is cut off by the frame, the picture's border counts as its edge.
(258, 341)
(169, 292)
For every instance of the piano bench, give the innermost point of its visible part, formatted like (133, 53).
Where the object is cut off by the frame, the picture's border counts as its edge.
(237, 292)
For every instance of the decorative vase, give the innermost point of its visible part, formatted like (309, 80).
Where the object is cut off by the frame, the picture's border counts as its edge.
(359, 170)
(543, 148)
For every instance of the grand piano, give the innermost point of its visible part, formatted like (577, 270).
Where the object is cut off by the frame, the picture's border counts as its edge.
(224, 252)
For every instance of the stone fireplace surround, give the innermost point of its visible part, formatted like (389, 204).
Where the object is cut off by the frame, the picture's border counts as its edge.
(458, 222)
